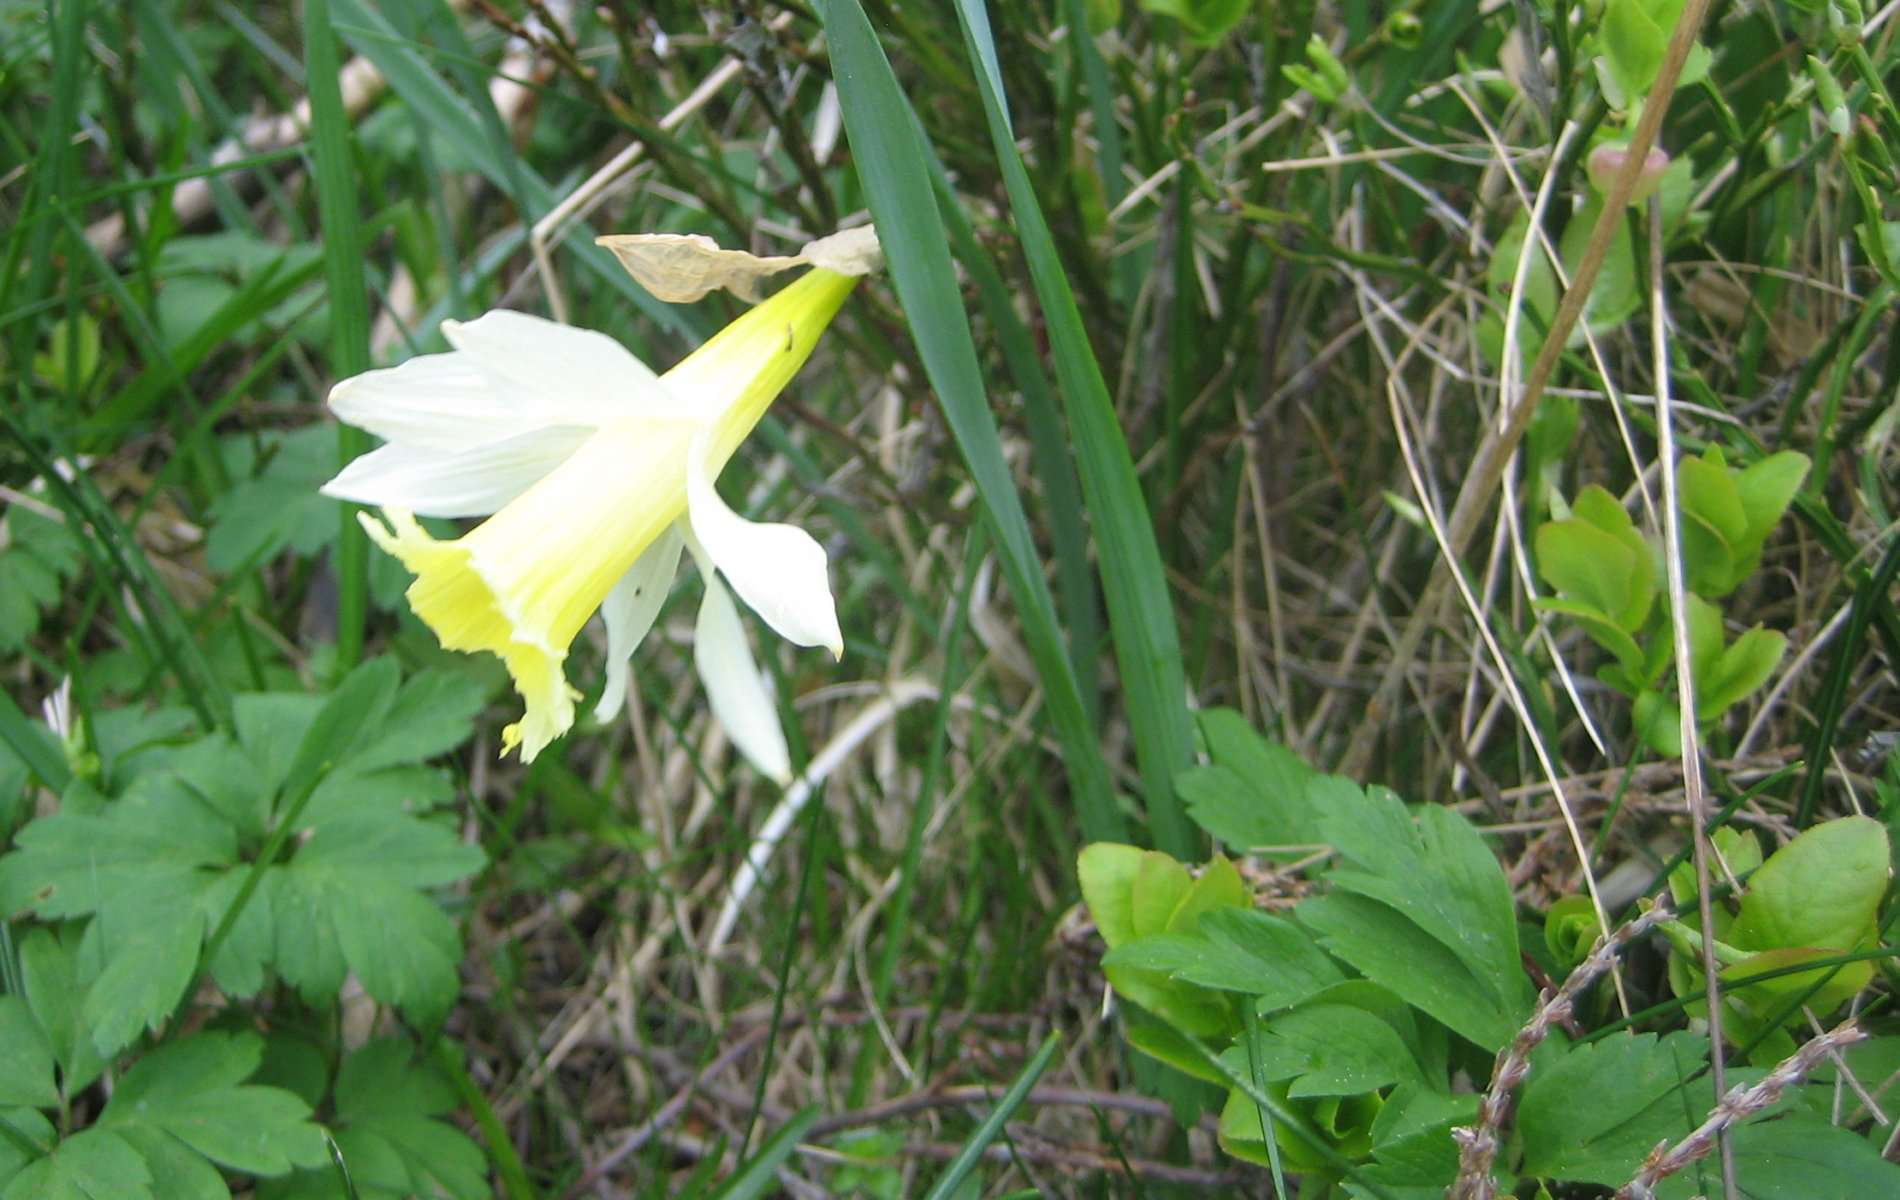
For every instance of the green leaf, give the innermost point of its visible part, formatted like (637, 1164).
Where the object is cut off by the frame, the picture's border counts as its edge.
(1796, 1158)
(1821, 890)
(1237, 950)
(187, 1175)
(1571, 928)
(1393, 951)
(192, 1090)
(1633, 36)
(1744, 666)
(1107, 873)
(93, 1164)
(386, 1101)
(432, 714)
(350, 890)
(147, 960)
(49, 977)
(152, 847)
(280, 508)
(1604, 631)
(1205, 22)
(1632, 1084)
(1257, 793)
(1438, 874)
(26, 1058)
(1330, 1050)
(38, 557)
(1595, 569)
(1766, 488)
(1716, 555)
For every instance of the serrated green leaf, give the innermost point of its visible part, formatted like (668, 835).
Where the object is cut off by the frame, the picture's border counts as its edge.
(384, 1101)
(433, 713)
(93, 1164)
(241, 964)
(280, 507)
(150, 849)
(38, 556)
(26, 1058)
(357, 705)
(1257, 793)
(1329, 1050)
(403, 948)
(50, 979)
(146, 960)
(1238, 950)
(192, 1089)
(27, 1135)
(187, 1175)
(1437, 872)
(389, 849)
(1634, 1086)
(1394, 952)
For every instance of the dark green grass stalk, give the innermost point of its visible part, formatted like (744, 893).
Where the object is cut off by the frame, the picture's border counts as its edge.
(894, 169)
(971, 1152)
(1048, 444)
(349, 301)
(1140, 611)
(1874, 593)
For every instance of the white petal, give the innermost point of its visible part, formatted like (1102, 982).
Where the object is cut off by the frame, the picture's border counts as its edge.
(463, 483)
(778, 570)
(630, 610)
(434, 402)
(576, 372)
(740, 699)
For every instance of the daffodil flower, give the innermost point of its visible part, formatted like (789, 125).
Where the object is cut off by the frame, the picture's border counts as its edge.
(598, 474)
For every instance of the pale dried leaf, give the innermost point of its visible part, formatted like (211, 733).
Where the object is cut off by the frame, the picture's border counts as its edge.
(679, 268)
(848, 252)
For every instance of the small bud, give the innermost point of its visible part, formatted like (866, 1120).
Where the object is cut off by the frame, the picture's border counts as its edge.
(1606, 160)
(1404, 30)
(1827, 92)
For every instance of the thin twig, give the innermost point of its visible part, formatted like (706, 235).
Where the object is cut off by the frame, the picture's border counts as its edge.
(1478, 1144)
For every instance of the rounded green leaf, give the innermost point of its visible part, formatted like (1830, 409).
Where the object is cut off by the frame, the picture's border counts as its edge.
(1820, 891)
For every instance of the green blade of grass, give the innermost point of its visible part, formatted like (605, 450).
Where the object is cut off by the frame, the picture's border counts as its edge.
(341, 234)
(894, 168)
(1048, 447)
(895, 175)
(972, 1150)
(1140, 614)
(32, 746)
(759, 1175)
